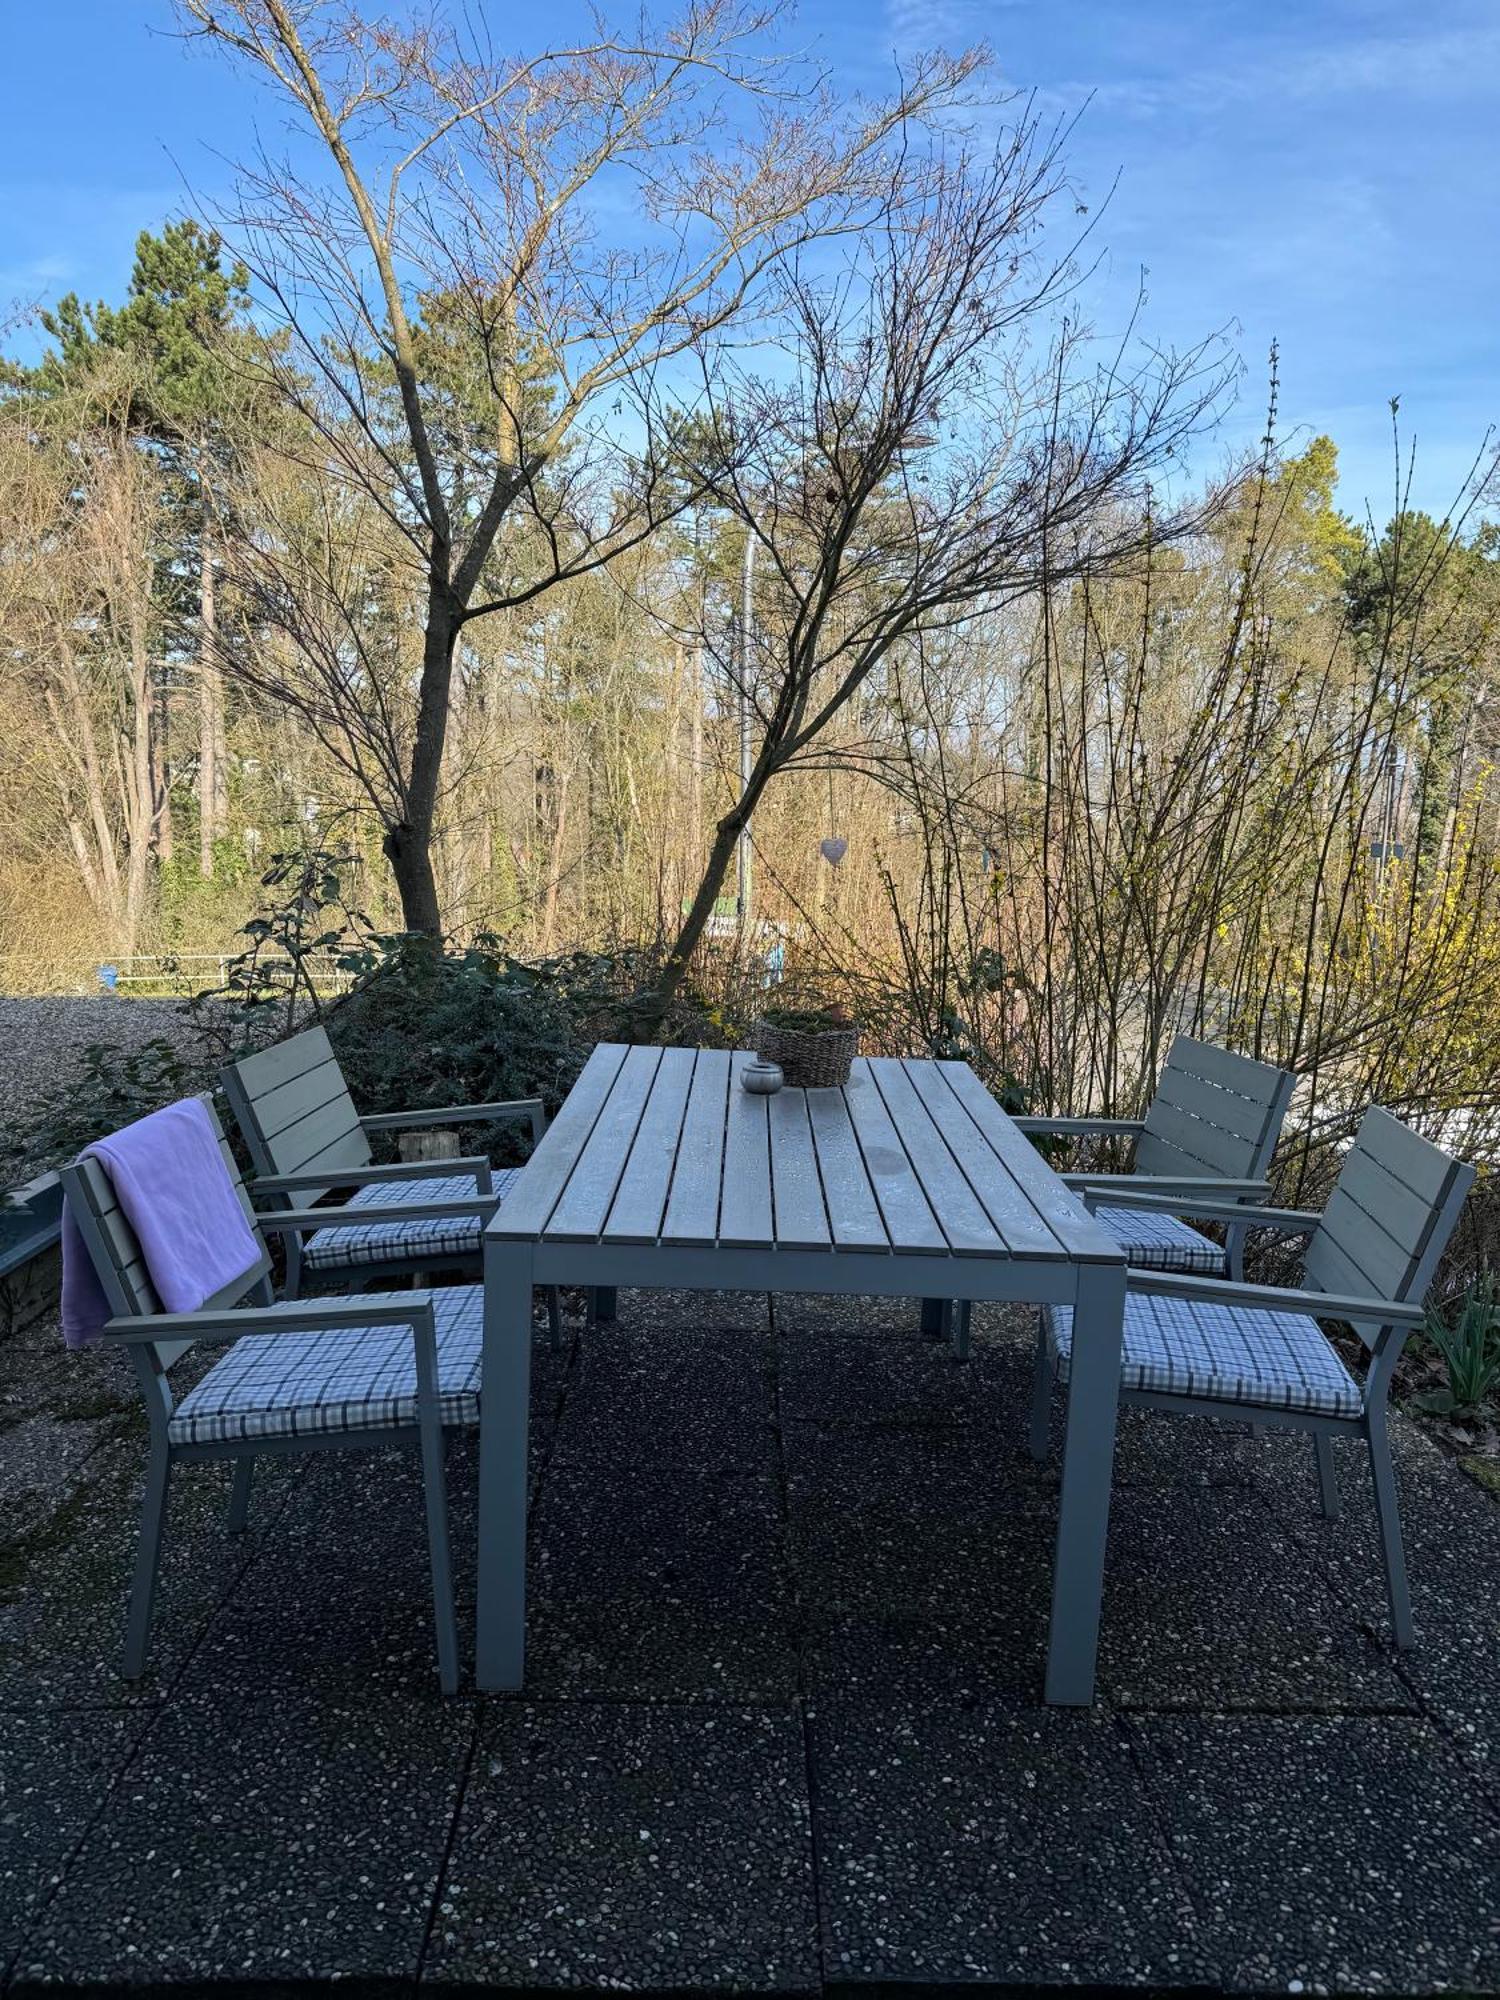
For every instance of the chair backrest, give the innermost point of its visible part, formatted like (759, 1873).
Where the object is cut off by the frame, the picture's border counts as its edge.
(294, 1108)
(116, 1251)
(1214, 1114)
(1387, 1223)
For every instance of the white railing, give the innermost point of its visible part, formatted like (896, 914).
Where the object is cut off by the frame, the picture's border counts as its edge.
(167, 974)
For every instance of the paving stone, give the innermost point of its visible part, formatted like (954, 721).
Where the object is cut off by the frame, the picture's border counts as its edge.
(340, 1595)
(686, 1312)
(56, 1769)
(659, 1387)
(889, 1372)
(655, 1847)
(270, 1840)
(662, 1584)
(64, 1589)
(1451, 1528)
(1341, 1854)
(924, 1465)
(40, 1462)
(898, 1602)
(990, 1843)
(1210, 1603)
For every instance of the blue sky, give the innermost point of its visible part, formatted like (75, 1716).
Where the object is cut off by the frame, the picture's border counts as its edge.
(1325, 173)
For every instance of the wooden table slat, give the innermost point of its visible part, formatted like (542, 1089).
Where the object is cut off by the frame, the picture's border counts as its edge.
(693, 1205)
(585, 1201)
(1080, 1235)
(909, 1220)
(745, 1205)
(969, 1231)
(800, 1218)
(853, 1211)
(528, 1208)
(1006, 1202)
(635, 1215)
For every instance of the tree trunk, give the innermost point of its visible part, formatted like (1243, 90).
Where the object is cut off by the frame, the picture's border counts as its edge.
(210, 708)
(720, 857)
(408, 846)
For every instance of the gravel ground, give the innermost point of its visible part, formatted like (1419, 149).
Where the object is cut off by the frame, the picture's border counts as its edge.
(41, 1041)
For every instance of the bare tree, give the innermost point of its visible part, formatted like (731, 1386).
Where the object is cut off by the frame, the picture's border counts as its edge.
(499, 247)
(937, 439)
(84, 514)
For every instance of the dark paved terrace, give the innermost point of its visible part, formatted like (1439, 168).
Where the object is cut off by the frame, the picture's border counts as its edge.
(782, 1728)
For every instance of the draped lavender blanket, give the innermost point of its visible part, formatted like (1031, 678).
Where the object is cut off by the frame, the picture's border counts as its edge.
(170, 1180)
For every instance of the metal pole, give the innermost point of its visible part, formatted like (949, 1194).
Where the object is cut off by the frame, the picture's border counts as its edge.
(744, 883)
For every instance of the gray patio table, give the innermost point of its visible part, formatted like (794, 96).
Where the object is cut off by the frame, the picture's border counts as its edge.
(659, 1171)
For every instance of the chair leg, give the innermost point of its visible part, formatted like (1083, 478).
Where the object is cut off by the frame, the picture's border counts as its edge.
(147, 1562)
(554, 1318)
(435, 1490)
(1328, 1485)
(1041, 1395)
(606, 1304)
(239, 1495)
(1389, 1517)
(963, 1314)
(934, 1318)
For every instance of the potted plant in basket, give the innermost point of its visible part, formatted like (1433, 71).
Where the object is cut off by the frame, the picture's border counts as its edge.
(812, 1046)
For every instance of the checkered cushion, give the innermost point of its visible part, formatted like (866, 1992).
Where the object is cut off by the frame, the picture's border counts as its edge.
(291, 1384)
(1160, 1242)
(428, 1241)
(1228, 1354)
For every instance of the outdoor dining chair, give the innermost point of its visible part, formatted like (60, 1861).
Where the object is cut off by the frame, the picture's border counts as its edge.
(306, 1138)
(1212, 1347)
(1210, 1130)
(363, 1373)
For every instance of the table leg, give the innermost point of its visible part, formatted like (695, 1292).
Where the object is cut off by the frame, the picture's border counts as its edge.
(504, 1427)
(1087, 1473)
(934, 1318)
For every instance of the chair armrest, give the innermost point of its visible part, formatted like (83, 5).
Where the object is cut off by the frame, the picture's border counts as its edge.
(293, 1221)
(530, 1108)
(1081, 1128)
(413, 1309)
(1317, 1305)
(1286, 1221)
(1209, 1185)
(406, 1170)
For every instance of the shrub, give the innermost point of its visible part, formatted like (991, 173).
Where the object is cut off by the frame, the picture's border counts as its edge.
(1470, 1349)
(425, 1026)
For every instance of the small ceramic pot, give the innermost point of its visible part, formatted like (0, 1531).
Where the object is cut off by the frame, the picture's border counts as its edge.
(762, 1079)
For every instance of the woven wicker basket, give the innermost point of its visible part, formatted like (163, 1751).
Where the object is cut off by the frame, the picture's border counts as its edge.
(807, 1061)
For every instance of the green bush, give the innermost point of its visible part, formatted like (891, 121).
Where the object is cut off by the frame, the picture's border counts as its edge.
(425, 1026)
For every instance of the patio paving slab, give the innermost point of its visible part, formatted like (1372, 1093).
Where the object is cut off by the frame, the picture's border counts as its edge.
(983, 1843)
(262, 1842)
(62, 1601)
(659, 1584)
(1336, 1855)
(791, 1628)
(655, 1847)
(1211, 1602)
(56, 1769)
(1451, 1529)
(660, 1387)
(339, 1596)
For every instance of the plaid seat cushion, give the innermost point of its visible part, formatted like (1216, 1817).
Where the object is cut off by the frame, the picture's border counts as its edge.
(1228, 1354)
(427, 1241)
(291, 1384)
(1160, 1242)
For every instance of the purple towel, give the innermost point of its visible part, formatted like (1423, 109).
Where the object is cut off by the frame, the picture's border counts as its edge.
(170, 1179)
